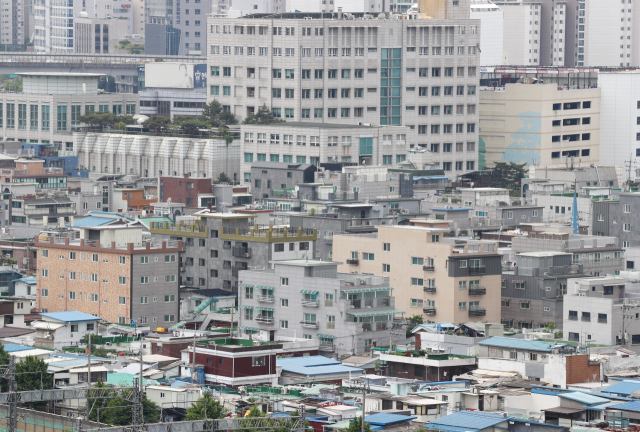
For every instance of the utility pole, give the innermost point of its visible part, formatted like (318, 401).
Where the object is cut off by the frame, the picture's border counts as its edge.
(629, 165)
(193, 359)
(88, 371)
(364, 386)
(626, 315)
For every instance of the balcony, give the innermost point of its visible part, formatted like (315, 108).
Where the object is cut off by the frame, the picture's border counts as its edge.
(378, 302)
(602, 320)
(266, 299)
(585, 319)
(429, 310)
(477, 291)
(428, 268)
(327, 347)
(352, 261)
(477, 312)
(264, 320)
(310, 324)
(241, 252)
(477, 270)
(430, 289)
(368, 327)
(573, 318)
(310, 303)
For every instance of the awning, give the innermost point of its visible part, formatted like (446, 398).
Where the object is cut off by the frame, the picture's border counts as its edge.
(246, 307)
(430, 177)
(265, 287)
(358, 290)
(264, 309)
(322, 336)
(250, 328)
(308, 292)
(246, 286)
(376, 312)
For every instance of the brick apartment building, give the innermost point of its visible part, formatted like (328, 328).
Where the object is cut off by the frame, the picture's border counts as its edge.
(109, 272)
(184, 189)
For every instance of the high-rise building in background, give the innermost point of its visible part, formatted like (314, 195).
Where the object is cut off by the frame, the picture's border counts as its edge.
(492, 36)
(351, 68)
(14, 25)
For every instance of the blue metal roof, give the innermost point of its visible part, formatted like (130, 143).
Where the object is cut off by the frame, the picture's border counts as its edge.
(28, 280)
(628, 406)
(530, 345)
(308, 361)
(439, 382)
(382, 419)
(434, 327)
(90, 221)
(70, 316)
(624, 388)
(467, 420)
(585, 398)
(314, 365)
(15, 348)
(68, 364)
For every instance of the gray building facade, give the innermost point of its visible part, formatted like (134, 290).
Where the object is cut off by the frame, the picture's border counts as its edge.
(274, 178)
(532, 294)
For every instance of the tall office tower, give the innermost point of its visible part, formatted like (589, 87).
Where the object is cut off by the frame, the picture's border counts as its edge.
(357, 68)
(491, 17)
(14, 24)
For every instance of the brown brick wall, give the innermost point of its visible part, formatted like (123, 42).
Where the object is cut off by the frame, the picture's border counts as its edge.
(579, 370)
(176, 189)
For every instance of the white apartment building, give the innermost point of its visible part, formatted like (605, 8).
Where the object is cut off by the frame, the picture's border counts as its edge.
(351, 68)
(315, 143)
(522, 23)
(492, 35)
(620, 119)
(13, 27)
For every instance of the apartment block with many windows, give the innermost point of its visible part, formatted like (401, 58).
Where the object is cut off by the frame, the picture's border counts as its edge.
(419, 73)
(439, 278)
(108, 271)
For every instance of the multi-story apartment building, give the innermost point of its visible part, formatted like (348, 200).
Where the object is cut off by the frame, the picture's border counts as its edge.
(49, 107)
(148, 156)
(33, 171)
(269, 179)
(522, 38)
(220, 245)
(41, 212)
(532, 293)
(420, 73)
(349, 313)
(184, 189)
(14, 32)
(316, 143)
(593, 312)
(436, 277)
(618, 217)
(108, 271)
(540, 124)
(99, 35)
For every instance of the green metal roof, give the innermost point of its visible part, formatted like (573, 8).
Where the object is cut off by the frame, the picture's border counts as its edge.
(264, 309)
(322, 336)
(376, 312)
(265, 287)
(246, 307)
(308, 292)
(250, 328)
(358, 290)
(246, 286)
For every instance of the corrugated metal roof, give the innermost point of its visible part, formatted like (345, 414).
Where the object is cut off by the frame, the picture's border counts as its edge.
(628, 406)
(382, 419)
(467, 420)
(624, 388)
(584, 398)
(14, 347)
(308, 361)
(530, 345)
(90, 221)
(314, 365)
(70, 316)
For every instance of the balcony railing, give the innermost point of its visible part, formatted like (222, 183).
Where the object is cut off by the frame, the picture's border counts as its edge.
(241, 252)
(266, 299)
(477, 270)
(310, 303)
(573, 318)
(367, 327)
(585, 319)
(327, 347)
(429, 310)
(352, 261)
(310, 324)
(602, 320)
(264, 320)
(477, 291)
(430, 289)
(476, 312)
(428, 268)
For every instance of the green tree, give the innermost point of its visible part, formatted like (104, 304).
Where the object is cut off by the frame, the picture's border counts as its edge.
(224, 178)
(127, 119)
(214, 114)
(97, 119)
(31, 374)
(205, 407)
(10, 84)
(118, 412)
(4, 360)
(508, 175)
(356, 425)
(264, 116)
(157, 124)
(190, 125)
(130, 47)
(94, 339)
(413, 322)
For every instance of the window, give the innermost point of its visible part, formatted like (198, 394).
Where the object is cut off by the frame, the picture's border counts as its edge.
(386, 247)
(170, 298)
(122, 300)
(386, 268)
(417, 282)
(144, 279)
(367, 256)
(417, 261)
(122, 280)
(417, 303)
(258, 361)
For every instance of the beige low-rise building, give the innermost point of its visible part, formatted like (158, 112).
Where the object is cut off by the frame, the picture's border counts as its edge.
(440, 278)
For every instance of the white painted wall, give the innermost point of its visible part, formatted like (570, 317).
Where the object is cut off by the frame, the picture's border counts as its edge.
(492, 34)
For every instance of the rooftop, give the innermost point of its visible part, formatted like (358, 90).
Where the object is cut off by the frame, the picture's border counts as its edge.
(467, 421)
(314, 365)
(61, 74)
(71, 316)
(513, 343)
(542, 254)
(623, 388)
(309, 124)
